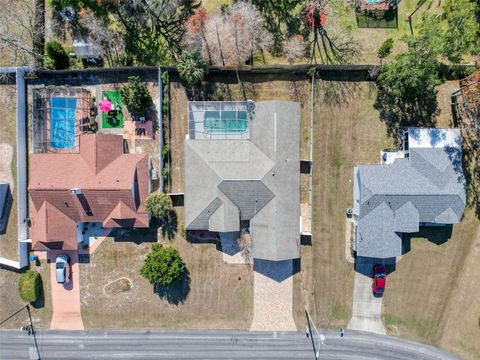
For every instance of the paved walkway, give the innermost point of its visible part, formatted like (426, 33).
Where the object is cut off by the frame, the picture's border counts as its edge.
(66, 313)
(273, 296)
(367, 309)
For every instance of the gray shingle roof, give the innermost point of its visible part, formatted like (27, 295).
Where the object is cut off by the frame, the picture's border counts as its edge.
(256, 179)
(427, 187)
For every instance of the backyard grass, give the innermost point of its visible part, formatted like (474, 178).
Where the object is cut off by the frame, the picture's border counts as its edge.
(218, 295)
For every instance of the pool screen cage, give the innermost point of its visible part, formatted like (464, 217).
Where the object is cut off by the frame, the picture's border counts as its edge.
(220, 120)
(377, 13)
(42, 110)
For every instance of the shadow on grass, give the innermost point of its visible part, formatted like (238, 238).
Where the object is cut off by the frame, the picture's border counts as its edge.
(168, 226)
(435, 234)
(399, 113)
(40, 302)
(176, 293)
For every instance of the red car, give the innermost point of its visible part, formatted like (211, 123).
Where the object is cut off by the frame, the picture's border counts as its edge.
(379, 279)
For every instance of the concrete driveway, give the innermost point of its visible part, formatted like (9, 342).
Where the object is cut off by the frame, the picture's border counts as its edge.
(273, 296)
(367, 309)
(66, 313)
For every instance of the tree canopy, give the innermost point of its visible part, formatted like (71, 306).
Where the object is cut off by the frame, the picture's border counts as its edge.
(136, 96)
(163, 266)
(192, 68)
(158, 204)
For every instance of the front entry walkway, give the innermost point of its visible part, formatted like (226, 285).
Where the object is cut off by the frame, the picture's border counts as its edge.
(66, 313)
(273, 296)
(367, 309)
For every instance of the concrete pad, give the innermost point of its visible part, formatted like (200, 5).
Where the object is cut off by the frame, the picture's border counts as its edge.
(66, 313)
(273, 296)
(367, 309)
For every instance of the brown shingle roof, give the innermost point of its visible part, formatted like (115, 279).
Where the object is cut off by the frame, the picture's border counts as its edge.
(106, 176)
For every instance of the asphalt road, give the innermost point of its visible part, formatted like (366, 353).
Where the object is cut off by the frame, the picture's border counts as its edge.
(190, 344)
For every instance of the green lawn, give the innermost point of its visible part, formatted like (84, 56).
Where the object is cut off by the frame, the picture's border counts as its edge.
(108, 120)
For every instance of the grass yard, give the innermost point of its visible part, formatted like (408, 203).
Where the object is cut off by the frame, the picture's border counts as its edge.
(347, 132)
(218, 296)
(432, 294)
(10, 300)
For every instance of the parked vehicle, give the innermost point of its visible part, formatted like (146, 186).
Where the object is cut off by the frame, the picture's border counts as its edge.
(379, 279)
(62, 269)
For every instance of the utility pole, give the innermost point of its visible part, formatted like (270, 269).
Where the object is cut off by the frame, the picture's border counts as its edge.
(33, 331)
(38, 40)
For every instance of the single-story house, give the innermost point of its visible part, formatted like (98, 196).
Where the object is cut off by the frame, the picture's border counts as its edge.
(98, 184)
(423, 184)
(242, 171)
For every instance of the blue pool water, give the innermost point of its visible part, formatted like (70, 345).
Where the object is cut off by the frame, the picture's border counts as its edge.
(62, 122)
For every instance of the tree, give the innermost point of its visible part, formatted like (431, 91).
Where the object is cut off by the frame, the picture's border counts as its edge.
(228, 39)
(192, 67)
(385, 49)
(22, 32)
(29, 286)
(163, 266)
(103, 41)
(407, 94)
(329, 44)
(56, 57)
(294, 48)
(136, 96)
(158, 204)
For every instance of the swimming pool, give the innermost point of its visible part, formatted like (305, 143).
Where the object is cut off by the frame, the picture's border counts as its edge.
(62, 122)
(225, 121)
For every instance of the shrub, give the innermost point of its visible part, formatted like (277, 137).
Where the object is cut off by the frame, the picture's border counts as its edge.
(158, 204)
(29, 286)
(192, 68)
(56, 57)
(166, 172)
(163, 266)
(165, 152)
(136, 96)
(385, 49)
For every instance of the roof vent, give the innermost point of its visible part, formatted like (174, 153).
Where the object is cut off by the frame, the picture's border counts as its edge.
(76, 191)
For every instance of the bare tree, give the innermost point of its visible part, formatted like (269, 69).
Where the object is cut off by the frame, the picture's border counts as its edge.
(228, 39)
(103, 41)
(22, 32)
(294, 48)
(244, 242)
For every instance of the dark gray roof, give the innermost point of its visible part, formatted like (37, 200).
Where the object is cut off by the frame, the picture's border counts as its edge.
(3, 196)
(426, 187)
(256, 179)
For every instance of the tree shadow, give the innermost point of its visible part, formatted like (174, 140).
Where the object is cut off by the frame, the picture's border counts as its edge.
(399, 113)
(177, 292)
(40, 302)
(337, 92)
(169, 225)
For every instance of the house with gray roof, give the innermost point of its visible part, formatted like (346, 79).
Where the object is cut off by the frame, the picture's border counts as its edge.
(242, 170)
(423, 184)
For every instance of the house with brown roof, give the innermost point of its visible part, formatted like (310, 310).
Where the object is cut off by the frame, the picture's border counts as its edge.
(99, 183)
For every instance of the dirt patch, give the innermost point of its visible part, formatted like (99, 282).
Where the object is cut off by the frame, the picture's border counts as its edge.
(118, 286)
